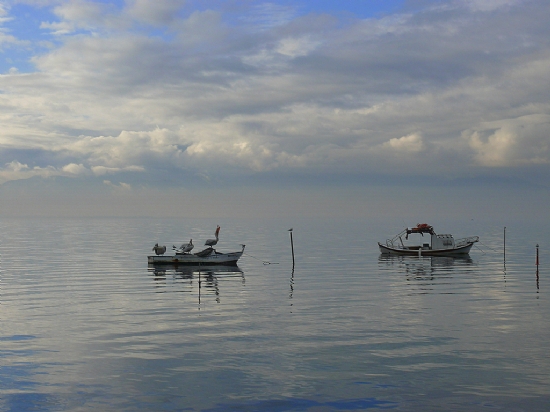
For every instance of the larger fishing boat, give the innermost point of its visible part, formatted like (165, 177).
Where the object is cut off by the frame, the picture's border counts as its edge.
(437, 245)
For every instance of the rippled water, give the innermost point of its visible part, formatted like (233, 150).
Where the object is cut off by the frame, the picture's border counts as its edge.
(87, 325)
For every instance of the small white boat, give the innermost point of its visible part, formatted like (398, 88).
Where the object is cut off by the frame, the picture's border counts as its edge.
(438, 245)
(208, 256)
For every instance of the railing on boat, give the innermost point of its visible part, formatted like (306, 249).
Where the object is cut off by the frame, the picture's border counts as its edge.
(389, 243)
(393, 243)
(465, 241)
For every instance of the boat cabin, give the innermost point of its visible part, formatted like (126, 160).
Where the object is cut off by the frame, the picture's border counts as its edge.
(437, 242)
(442, 241)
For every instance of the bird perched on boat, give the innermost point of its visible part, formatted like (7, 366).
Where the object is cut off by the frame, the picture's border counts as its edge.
(213, 242)
(159, 250)
(186, 248)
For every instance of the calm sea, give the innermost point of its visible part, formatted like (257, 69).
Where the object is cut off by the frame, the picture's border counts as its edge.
(87, 326)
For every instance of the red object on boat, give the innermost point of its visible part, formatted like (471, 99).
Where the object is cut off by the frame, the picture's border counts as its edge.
(421, 228)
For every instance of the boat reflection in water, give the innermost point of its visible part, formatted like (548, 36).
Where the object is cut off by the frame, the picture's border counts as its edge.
(194, 279)
(427, 273)
(434, 261)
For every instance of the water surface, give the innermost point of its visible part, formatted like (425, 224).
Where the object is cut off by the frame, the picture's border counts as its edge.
(88, 325)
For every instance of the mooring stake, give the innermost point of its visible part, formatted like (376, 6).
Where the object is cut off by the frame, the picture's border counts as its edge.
(291, 246)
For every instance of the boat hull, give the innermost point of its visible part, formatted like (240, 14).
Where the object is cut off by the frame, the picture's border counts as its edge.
(226, 259)
(463, 250)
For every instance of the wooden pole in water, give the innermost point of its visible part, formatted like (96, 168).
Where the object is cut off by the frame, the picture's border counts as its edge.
(291, 246)
(537, 267)
(505, 245)
(199, 284)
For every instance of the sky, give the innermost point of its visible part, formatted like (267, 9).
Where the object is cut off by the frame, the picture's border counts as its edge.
(405, 108)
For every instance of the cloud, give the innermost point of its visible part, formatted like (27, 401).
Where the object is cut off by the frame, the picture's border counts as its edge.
(80, 11)
(75, 169)
(122, 187)
(490, 5)
(7, 39)
(203, 95)
(76, 15)
(203, 28)
(18, 171)
(411, 143)
(108, 154)
(297, 46)
(269, 15)
(102, 170)
(512, 142)
(4, 14)
(155, 12)
(58, 28)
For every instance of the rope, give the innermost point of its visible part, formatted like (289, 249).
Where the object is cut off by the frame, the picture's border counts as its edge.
(488, 247)
(477, 247)
(265, 262)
